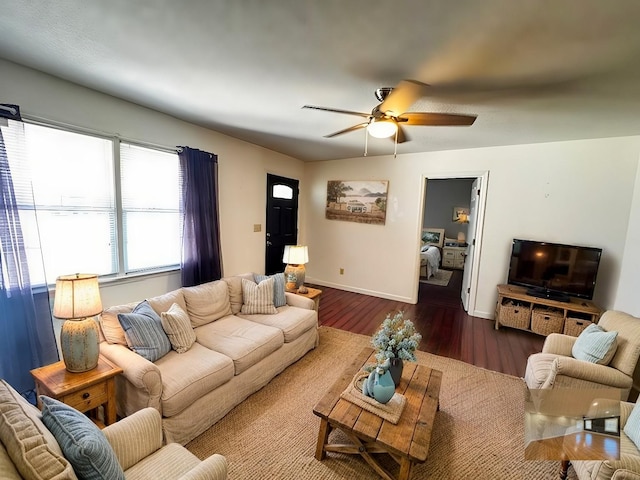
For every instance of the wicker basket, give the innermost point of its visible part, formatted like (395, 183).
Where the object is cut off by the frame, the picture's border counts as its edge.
(545, 321)
(575, 326)
(514, 315)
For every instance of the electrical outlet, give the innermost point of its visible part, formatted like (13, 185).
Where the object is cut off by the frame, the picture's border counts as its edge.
(257, 227)
(341, 271)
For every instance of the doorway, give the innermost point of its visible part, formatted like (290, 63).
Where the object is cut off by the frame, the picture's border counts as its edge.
(282, 220)
(472, 192)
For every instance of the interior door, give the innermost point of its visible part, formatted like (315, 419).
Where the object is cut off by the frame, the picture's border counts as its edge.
(282, 220)
(471, 239)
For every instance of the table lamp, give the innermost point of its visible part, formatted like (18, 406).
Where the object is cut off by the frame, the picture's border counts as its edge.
(77, 300)
(295, 256)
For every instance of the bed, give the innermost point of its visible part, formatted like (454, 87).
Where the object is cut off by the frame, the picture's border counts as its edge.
(430, 248)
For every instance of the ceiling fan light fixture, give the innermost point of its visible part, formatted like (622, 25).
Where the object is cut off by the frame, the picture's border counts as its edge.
(382, 128)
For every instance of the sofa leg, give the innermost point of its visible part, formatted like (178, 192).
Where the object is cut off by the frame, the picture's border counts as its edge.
(564, 468)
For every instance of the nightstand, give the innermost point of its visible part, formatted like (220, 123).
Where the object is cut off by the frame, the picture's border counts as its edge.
(84, 391)
(453, 257)
(313, 294)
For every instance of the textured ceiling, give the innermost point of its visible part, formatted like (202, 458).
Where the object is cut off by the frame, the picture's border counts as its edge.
(532, 70)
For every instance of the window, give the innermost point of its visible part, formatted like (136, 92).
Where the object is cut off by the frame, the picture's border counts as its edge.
(282, 191)
(90, 220)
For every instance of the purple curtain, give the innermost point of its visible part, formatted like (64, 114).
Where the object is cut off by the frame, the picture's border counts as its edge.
(27, 339)
(201, 254)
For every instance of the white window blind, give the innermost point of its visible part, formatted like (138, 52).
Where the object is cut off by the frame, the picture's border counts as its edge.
(151, 213)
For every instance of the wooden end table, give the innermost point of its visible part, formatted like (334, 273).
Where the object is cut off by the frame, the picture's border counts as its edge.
(84, 391)
(313, 294)
(407, 442)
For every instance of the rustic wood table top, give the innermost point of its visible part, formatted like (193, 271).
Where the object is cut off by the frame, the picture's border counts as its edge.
(407, 442)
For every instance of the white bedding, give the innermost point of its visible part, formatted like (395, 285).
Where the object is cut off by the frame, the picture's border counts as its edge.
(429, 261)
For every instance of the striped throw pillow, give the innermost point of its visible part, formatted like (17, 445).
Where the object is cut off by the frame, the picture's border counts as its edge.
(258, 298)
(144, 333)
(279, 298)
(595, 345)
(177, 326)
(632, 427)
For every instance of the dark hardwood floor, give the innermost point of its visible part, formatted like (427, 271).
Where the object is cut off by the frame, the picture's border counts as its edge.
(446, 328)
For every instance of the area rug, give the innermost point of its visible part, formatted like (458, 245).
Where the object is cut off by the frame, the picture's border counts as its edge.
(478, 432)
(441, 278)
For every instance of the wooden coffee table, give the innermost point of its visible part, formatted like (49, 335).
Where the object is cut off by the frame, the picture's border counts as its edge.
(407, 442)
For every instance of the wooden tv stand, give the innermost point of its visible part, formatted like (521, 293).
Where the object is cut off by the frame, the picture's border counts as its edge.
(516, 309)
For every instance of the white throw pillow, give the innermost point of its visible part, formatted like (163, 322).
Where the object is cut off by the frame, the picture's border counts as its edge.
(595, 345)
(177, 326)
(258, 298)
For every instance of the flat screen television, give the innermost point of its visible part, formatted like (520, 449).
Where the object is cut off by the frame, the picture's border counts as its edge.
(553, 270)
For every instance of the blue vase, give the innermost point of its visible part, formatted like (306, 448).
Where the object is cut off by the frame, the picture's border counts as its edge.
(383, 386)
(395, 367)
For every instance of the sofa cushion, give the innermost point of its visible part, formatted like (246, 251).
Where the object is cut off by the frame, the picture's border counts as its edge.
(162, 303)
(32, 449)
(234, 285)
(279, 298)
(207, 302)
(7, 467)
(82, 442)
(258, 298)
(190, 375)
(144, 333)
(177, 326)
(110, 325)
(293, 321)
(244, 341)
(595, 345)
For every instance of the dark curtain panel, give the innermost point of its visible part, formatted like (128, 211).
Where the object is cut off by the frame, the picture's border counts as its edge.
(201, 254)
(27, 339)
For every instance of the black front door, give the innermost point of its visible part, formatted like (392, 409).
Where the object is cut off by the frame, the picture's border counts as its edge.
(282, 220)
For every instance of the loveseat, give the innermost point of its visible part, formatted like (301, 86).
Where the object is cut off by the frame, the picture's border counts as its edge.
(240, 335)
(28, 449)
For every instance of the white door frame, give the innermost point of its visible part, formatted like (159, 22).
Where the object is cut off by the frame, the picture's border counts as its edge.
(482, 201)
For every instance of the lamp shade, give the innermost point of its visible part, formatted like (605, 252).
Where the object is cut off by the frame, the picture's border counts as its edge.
(295, 254)
(382, 128)
(77, 298)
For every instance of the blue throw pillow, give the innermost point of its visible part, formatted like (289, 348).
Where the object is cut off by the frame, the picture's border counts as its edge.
(595, 345)
(279, 298)
(632, 427)
(83, 444)
(144, 333)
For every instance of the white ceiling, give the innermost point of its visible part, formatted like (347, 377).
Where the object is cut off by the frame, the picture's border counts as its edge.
(532, 70)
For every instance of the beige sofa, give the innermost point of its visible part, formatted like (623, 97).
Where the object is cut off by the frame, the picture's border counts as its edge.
(29, 450)
(234, 355)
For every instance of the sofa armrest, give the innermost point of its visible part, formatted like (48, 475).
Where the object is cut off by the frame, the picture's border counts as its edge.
(299, 301)
(591, 372)
(558, 344)
(143, 385)
(135, 437)
(211, 468)
(625, 474)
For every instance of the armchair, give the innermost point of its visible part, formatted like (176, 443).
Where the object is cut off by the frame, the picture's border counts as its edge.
(555, 367)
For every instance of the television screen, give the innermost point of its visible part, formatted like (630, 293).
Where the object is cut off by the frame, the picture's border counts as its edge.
(553, 270)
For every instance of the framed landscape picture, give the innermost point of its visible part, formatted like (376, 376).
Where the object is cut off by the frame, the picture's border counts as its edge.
(361, 201)
(433, 236)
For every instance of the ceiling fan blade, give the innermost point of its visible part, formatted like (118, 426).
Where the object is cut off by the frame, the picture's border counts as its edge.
(337, 110)
(403, 96)
(347, 130)
(436, 119)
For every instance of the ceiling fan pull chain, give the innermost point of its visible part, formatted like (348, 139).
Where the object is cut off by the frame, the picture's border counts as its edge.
(395, 145)
(366, 141)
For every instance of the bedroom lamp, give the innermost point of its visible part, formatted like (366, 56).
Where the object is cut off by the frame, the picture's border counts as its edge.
(295, 256)
(77, 301)
(382, 128)
(462, 237)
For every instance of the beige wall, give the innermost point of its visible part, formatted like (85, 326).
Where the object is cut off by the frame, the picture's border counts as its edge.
(573, 192)
(242, 166)
(577, 192)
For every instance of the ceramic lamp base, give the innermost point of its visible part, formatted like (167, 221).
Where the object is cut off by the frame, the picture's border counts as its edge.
(79, 343)
(292, 271)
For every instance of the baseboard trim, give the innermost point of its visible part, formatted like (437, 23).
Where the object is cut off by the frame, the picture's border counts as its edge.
(364, 291)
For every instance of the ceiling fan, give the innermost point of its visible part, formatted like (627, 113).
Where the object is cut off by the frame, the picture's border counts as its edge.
(387, 118)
